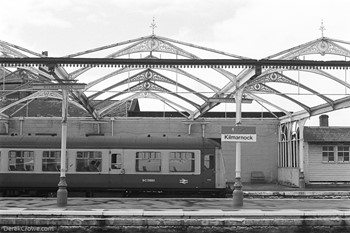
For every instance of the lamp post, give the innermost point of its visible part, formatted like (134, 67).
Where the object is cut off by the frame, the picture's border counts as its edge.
(62, 193)
(237, 192)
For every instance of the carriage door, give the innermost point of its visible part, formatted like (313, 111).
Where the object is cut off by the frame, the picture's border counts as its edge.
(116, 168)
(208, 171)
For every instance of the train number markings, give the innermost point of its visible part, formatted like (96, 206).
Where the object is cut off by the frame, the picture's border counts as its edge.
(148, 180)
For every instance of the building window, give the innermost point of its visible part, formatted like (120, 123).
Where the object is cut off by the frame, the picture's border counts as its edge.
(343, 154)
(89, 161)
(328, 154)
(21, 160)
(181, 162)
(148, 161)
(116, 161)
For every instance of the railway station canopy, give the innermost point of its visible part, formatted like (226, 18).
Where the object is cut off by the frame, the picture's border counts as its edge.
(163, 74)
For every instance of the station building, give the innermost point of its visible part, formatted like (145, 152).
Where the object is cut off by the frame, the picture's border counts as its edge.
(327, 154)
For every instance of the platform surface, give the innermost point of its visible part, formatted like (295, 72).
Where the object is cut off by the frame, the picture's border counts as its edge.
(172, 204)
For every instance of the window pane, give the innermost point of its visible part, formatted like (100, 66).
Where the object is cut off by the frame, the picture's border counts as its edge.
(181, 162)
(328, 154)
(148, 162)
(21, 161)
(89, 161)
(209, 161)
(116, 161)
(343, 153)
(51, 161)
(325, 157)
(346, 157)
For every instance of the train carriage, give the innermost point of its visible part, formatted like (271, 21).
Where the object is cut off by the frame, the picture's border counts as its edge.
(30, 165)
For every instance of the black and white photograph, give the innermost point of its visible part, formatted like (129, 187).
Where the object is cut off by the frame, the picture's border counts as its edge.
(175, 116)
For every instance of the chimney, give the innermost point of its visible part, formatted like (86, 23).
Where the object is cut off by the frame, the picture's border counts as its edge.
(324, 121)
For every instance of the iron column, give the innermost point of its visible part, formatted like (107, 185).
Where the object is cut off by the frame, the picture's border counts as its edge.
(238, 193)
(62, 192)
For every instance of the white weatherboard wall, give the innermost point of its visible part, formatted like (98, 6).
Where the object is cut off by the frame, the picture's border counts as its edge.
(325, 172)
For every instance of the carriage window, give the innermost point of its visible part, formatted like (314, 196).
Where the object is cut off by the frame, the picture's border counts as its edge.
(148, 161)
(116, 161)
(181, 162)
(21, 161)
(89, 161)
(52, 161)
(209, 161)
(343, 154)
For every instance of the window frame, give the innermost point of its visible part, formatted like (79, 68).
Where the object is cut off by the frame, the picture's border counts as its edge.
(149, 157)
(59, 161)
(181, 155)
(116, 165)
(90, 156)
(343, 151)
(326, 150)
(339, 153)
(22, 153)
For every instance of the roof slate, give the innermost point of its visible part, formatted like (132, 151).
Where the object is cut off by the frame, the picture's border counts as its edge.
(327, 134)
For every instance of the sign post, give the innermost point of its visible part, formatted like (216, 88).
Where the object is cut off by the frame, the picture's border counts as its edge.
(62, 193)
(237, 134)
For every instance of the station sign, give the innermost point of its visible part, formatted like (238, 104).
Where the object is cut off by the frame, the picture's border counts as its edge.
(56, 86)
(238, 134)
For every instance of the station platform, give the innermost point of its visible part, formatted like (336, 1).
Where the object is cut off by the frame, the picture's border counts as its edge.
(174, 215)
(272, 190)
(266, 208)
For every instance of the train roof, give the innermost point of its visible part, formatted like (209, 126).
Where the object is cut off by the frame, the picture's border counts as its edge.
(108, 142)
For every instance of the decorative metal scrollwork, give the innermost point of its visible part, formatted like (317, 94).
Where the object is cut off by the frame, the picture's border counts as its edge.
(46, 94)
(149, 74)
(273, 76)
(152, 44)
(257, 86)
(322, 46)
(146, 85)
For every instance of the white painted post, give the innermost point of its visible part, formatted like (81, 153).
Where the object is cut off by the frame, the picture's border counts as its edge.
(237, 192)
(62, 192)
(301, 153)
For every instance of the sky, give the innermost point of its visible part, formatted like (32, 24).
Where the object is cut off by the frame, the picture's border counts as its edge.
(250, 28)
